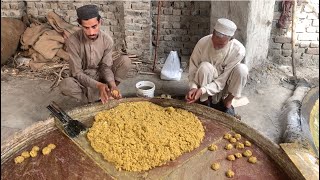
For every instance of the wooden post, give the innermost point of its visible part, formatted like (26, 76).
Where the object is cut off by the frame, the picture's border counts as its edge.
(157, 36)
(293, 38)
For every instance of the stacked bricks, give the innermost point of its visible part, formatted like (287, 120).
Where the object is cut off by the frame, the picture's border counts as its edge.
(137, 27)
(111, 13)
(307, 37)
(14, 9)
(182, 24)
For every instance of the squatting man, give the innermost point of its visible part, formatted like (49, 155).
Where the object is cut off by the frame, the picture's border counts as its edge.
(94, 74)
(216, 74)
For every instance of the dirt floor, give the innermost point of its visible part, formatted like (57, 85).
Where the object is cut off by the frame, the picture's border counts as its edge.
(24, 99)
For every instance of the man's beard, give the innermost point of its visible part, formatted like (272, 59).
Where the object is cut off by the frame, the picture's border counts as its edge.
(93, 37)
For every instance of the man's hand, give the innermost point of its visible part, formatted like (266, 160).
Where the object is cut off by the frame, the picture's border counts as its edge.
(104, 90)
(115, 92)
(193, 95)
(190, 95)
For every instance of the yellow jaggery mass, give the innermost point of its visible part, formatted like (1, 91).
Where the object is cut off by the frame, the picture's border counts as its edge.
(35, 148)
(229, 173)
(213, 147)
(231, 157)
(232, 140)
(240, 145)
(138, 136)
(227, 136)
(247, 143)
(115, 93)
(51, 146)
(25, 154)
(215, 166)
(18, 159)
(228, 146)
(252, 159)
(247, 153)
(238, 155)
(33, 153)
(237, 136)
(46, 151)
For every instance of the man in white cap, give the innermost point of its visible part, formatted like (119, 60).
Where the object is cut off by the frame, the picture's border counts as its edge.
(216, 74)
(94, 74)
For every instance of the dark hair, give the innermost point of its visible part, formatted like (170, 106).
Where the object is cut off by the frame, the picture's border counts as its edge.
(80, 20)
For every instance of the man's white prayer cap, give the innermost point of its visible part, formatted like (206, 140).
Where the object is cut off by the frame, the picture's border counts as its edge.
(225, 26)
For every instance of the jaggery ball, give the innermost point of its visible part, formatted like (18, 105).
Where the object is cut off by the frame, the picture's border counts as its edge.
(247, 143)
(240, 145)
(33, 153)
(25, 154)
(51, 146)
(237, 136)
(227, 136)
(213, 147)
(228, 146)
(238, 155)
(215, 166)
(252, 159)
(229, 173)
(35, 148)
(232, 140)
(18, 159)
(231, 157)
(247, 153)
(46, 151)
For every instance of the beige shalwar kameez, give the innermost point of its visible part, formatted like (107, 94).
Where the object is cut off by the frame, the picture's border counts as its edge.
(217, 72)
(90, 62)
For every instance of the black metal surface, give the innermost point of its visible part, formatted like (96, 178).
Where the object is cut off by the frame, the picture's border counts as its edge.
(71, 127)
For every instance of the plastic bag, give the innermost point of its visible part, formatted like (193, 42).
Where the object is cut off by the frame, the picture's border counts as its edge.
(171, 69)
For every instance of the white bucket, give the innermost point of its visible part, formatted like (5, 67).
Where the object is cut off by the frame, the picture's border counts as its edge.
(145, 89)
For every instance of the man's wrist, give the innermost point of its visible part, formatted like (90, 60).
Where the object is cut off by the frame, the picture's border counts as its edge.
(100, 85)
(112, 84)
(203, 90)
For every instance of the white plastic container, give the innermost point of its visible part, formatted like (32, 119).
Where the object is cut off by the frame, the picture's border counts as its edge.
(145, 89)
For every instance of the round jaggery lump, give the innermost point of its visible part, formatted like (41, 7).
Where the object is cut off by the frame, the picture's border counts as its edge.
(231, 157)
(240, 145)
(229, 173)
(18, 159)
(138, 136)
(252, 159)
(232, 140)
(215, 166)
(33, 153)
(35, 148)
(238, 155)
(25, 154)
(247, 143)
(227, 136)
(213, 147)
(228, 146)
(115, 93)
(247, 153)
(51, 146)
(237, 136)
(46, 151)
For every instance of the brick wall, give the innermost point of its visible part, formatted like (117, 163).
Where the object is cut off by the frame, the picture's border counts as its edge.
(12, 8)
(182, 24)
(307, 29)
(138, 28)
